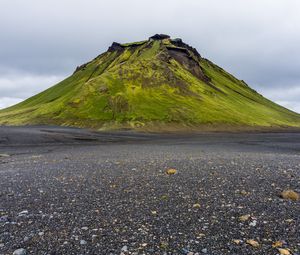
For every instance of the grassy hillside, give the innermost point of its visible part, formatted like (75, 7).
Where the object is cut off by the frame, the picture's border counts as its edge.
(159, 82)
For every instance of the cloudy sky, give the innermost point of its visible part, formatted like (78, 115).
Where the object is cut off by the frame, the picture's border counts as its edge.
(42, 42)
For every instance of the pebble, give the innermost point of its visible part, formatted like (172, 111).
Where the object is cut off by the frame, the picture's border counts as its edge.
(204, 250)
(41, 233)
(20, 252)
(4, 155)
(171, 171)
(4, 218)
(290, 194)
(23, 212)
(284, 251)
(253, 223)
(252, 243)
(124, 248)
(83, 242)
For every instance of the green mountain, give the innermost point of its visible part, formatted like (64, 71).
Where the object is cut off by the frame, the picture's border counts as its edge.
(156, 84)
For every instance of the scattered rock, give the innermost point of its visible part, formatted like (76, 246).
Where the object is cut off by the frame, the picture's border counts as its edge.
(83, 242)
(26, 239)
(124, 248)
(171, 171)
(41, 233)
(253, 243)
(204, 250)
(244, 192)
(23, 212)
(277, 244)
(237, 241)
(253, 223)
(4, 218)
(185, 251)
(284, 251)
(290, 194)
(164, 245)
(244, 217)
(20, 252)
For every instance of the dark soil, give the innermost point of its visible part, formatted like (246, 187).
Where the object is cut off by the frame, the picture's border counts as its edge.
(73, 191)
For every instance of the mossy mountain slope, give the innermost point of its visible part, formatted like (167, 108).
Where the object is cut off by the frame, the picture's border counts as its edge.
(158, 82)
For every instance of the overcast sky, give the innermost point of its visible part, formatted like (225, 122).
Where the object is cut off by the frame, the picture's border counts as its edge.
(42, 42)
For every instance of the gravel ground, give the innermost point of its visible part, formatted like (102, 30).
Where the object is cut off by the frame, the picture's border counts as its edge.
(71, 191)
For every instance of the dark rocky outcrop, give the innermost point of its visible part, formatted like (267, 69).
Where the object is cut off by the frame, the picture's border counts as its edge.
(159, 37)
(179, 43)
(79, 68)
(115, 47)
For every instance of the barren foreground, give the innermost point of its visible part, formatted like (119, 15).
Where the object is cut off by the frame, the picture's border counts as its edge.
(72, 191)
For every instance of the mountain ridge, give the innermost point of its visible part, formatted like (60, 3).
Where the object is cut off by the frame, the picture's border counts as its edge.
(159, 82)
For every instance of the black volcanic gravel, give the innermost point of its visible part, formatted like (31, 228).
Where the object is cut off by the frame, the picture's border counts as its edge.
(110, 194)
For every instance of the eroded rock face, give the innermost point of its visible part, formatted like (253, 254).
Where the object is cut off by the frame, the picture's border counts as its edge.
(179, 43)
(79, 68)
(159, 37)
(115, 47)
(181, 55)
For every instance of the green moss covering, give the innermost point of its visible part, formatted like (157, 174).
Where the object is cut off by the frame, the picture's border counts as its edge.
(144, 84)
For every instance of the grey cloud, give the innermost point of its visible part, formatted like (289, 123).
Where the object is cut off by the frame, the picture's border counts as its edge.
(257, 41)
(20, 85)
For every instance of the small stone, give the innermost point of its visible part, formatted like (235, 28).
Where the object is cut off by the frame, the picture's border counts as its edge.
(164, 245)
(144, 244)
(23, 212)
(84, 228)
(185, 251)
(290, 194)
(83, 242)
(204, 250)
(154, 212)
(284, 251)
(237, 241)
(253, 243)
(41, 233)
(124, 248)
(277, 244)
(244, 192)
(200, 235)
(20, 252)
(4, 218)
(244, 217)
(171, 171)
(253, 223)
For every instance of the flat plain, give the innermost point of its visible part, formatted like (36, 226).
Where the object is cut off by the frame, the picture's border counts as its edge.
(75, 191)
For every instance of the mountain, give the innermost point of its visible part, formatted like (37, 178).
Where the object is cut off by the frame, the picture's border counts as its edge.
(156, 84)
